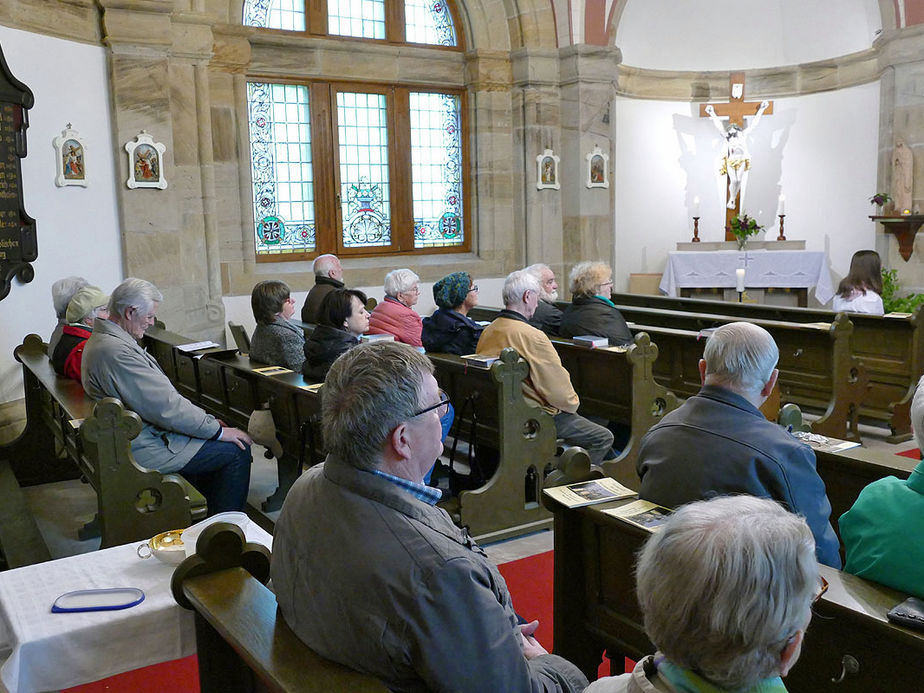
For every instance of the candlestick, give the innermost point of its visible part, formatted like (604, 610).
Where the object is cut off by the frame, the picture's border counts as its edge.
(739, 280)
(782, 236)
(695, 238)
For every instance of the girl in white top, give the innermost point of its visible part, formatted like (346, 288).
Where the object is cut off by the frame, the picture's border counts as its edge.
(859, 291)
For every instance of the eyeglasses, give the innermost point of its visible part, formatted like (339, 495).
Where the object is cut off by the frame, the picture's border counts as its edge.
(474, 288)
(442, 407)
(822, 588)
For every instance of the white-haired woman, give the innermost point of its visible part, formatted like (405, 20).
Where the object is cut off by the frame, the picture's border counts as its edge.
(396, 315)
(726, 588)
(591, 311)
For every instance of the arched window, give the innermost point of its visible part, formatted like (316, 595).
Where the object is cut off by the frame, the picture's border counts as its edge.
(357, 168)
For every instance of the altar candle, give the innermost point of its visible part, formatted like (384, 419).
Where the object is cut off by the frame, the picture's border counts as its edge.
(696, 206)
(739, 280)
(781, 210)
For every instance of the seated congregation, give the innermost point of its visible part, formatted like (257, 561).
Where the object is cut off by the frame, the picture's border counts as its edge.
(399, 591)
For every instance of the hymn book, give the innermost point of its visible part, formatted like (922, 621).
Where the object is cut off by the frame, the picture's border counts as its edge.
(588, 492)
(641, 513)
(592, 341)
(479, 361)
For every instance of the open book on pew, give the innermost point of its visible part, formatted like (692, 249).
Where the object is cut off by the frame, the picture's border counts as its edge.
(207, 348)
(823, 443)
(588, 492)
(641, 513)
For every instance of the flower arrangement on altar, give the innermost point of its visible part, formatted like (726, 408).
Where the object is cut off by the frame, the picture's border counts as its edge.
(880, 199)
(743, 227)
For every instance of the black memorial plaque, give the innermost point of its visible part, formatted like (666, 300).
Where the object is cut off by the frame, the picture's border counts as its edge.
(18, 244)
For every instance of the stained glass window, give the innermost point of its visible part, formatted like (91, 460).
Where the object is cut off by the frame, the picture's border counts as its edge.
(280, 151)
(275, 14)
(436, 169)
(362, 129)
(362, 18)
(428, 21)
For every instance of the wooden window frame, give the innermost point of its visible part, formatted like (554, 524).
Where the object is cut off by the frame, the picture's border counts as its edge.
(325, 154)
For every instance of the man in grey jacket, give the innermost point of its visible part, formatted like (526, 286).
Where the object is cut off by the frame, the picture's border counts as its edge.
(370, 573)
(178, 436)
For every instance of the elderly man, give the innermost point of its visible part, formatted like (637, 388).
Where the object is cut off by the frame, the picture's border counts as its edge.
(62, 291)
(370, 573)
(87, 304)
(177, 435)
(547, 316)
(328, 275)
(718, 442)
(882, 531)
(726, 588)
(548, 383)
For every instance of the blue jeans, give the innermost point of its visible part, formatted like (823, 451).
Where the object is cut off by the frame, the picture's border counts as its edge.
(221, 472)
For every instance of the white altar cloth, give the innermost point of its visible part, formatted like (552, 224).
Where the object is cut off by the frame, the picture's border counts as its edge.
(763, 269)
(42, 651)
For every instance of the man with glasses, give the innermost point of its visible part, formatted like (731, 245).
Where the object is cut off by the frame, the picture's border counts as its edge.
(370, 573)
(548, 383)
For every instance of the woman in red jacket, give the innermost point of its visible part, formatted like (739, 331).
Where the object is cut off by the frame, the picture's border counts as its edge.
(395, 315)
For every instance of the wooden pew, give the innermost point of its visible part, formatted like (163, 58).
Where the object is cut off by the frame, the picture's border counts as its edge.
(133, 503)
(595, 608)
(816, 368)
(891, 348)
(242, 642)
(230, 388)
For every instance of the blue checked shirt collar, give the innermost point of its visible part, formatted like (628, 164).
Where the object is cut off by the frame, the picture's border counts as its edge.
(421, 492)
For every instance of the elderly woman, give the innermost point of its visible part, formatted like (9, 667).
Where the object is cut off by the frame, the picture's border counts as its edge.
(591, 311)
(87, 304)
(395, 315)
(449, 329)
(275, 340)
(343, 320)
(726, 588)
(62, 291)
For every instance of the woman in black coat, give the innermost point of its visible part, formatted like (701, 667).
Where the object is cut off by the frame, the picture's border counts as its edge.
(343, 320)
(591, 311)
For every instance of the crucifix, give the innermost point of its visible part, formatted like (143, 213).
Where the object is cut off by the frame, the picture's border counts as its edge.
(737, 159)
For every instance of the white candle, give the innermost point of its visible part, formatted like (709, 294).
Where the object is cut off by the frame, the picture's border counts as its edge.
(781, 210)
(739, 279)
(696, 206)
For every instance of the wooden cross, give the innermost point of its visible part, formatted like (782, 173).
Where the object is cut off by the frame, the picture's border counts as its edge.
(735, 110)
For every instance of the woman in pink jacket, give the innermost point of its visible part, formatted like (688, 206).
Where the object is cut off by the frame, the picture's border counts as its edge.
(395, 315)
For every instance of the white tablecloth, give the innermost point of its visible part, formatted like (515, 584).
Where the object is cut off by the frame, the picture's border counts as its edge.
(45, 651)
(795, 269)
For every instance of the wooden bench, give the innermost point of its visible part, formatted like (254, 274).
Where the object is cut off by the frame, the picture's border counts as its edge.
(891, 348)
(595, 608)
(242, 642)
(133, 503)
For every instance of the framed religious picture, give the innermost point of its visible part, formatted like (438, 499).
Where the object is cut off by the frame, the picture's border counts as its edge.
(70, 158)
(598, 169)
(547, 171)
(145, 162)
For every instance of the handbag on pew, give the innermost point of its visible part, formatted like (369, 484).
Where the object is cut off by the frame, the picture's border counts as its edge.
(476, 478)
(909, 613)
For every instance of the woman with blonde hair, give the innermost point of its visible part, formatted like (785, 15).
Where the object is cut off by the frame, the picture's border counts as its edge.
(591, 311)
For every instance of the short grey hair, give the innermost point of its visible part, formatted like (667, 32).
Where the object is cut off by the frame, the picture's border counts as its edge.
(368, 391)
(537, 269)
(400, 280)
(63, 290)
(724, 584)
(323, 264)
(516, 284)
(741, 355)
(134, 293)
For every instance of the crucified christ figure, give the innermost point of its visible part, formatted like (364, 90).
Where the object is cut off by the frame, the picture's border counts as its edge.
(737, 159)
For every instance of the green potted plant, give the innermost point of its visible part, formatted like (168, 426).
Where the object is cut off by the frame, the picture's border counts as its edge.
(880, 199)
(743, 227)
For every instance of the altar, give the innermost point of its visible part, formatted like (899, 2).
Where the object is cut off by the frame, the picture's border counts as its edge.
(763, 269)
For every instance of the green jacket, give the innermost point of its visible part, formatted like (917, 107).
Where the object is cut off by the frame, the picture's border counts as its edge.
(882, 533)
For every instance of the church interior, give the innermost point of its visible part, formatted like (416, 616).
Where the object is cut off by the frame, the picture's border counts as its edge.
(576, 131)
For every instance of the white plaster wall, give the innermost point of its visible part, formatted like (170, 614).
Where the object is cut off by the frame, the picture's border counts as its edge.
(77, 228)
(237, 308)
(818, 150)
(742, 34)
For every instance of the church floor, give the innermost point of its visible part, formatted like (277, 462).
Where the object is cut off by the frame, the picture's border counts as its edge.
(61, 508)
